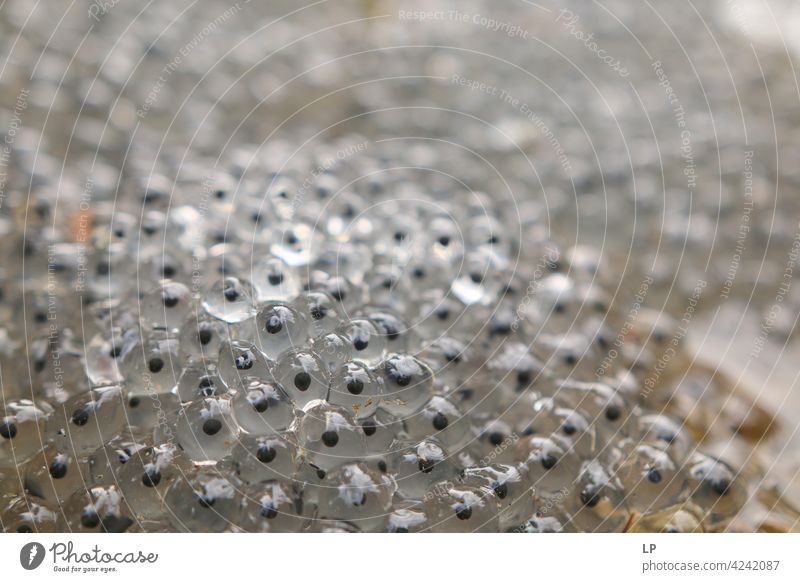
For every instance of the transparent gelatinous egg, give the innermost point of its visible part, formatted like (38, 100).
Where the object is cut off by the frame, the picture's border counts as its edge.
(280, 328)
(204, 501)
(358, 495)
(408, 385)
(205, 429)
(275, 506)
(166, 307)
(330, 437)
(303, 375)
(457, 507)
(230, 299)
(356, 388)
(263, 458)
(262, 408)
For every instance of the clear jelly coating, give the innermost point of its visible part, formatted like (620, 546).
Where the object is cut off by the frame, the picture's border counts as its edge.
(280, 318)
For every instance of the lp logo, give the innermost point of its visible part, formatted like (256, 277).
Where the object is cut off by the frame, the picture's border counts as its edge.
(31, 555)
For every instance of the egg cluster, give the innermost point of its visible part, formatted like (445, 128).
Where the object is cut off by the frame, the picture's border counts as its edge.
(345, 269)
(375, 354)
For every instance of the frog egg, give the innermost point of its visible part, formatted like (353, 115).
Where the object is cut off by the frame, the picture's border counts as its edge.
(145, 478)
(551, 465)
(451, 361)
(557, 303)
(337, 288)
(515, 368)
(333, 349)
(200, 381)
(438, 314)
(584, 262)
(259, 459)
(480, 279)
(166, 307)
(596, 502)
(231, 300)
(651, 479)
(358, 495)
(459, 508)
(715, 488)
(407, 517)
(479, 395)
(662, 430)
(393, 329)
(408, 385)
(303, 375)
(274, 280)
(280, 328)
(262, 408)
(380, 430)
(52, 476)
(355, 388)
(25, 516)
(146, 412)
(205, 429)
(320, 310)
(152, 366)
(203, 502)
(386, 286)
(162, 265)
(572, 425)
(104, 464)
(103, 356)
(275, 506)
(442, 419)
(655, 329)
(241, 361)
(297, 245)
(445, 237)
(366, 341)
(22, 431)
(201, 338)
(600, 404)
(570, 356)
(496, 439)
(543, 524)
(86, 421)
(330, 437)
(417, 466)
(512, 492)
(98, 510)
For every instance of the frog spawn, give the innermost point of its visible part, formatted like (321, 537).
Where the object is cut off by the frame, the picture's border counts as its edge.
(382, 396)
